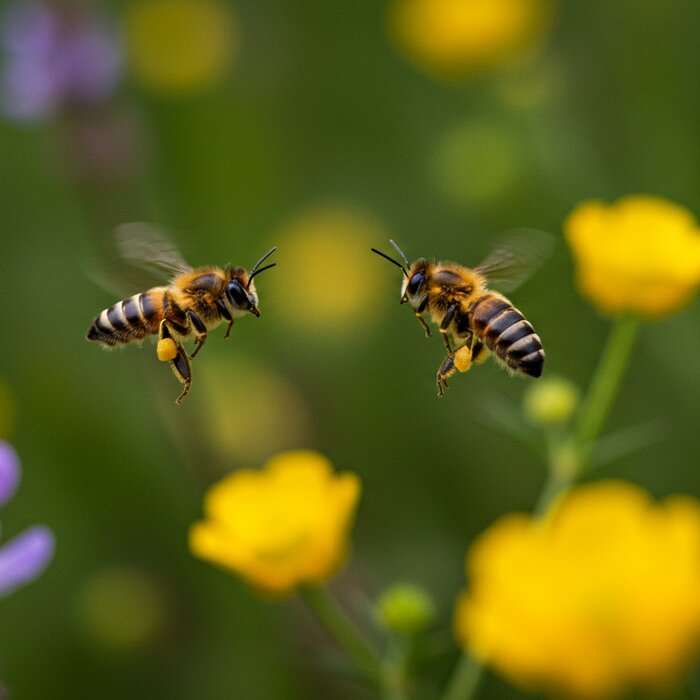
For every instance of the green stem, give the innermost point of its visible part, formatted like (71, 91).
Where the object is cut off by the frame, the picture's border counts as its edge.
(603, 390)
(339, 626)
(395, 678)
(465, 679)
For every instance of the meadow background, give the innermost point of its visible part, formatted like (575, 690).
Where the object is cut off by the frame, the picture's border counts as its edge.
(309, 126)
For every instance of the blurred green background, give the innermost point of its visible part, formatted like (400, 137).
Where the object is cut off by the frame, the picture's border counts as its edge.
(310, 129)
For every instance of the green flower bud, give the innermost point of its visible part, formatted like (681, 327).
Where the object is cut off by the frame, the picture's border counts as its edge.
(405, 609)
(551, 401)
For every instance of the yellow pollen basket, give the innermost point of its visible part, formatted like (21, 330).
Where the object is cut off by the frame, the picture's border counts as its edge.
(166, 349)
(463, 359)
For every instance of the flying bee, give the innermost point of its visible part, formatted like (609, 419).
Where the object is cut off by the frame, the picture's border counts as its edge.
(473, 320)
(195, 301)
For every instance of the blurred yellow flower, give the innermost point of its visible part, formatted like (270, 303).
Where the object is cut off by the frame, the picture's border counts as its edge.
(454, 38)
(276, 415)
(282, 526)
(317, 244)
(601, 596)
(121, 609)
(180, 46)
(639, 256)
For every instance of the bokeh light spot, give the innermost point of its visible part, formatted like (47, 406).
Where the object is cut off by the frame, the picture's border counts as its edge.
(180, 46)
(332, 285)
(121, 609)
(476, 162)
(263, 413)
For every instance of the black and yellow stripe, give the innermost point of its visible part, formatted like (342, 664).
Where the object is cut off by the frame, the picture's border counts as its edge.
(131, 319)
(508, 334)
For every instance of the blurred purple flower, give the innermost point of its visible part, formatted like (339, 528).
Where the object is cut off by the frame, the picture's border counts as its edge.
(24, 557)
(9, 472)
(56, 57)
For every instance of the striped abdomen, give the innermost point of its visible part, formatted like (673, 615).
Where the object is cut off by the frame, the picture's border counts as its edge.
(131, 319)
(508, 334)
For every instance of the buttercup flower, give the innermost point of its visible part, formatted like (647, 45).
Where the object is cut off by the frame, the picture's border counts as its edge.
(284, 525)
(639, 256)
(24, 557)
(180, 46)
(454, 38)
(601, 596)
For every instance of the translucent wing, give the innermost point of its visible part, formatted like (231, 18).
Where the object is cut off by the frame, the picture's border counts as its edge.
(148, 247)
(145, 257)
(515, 257)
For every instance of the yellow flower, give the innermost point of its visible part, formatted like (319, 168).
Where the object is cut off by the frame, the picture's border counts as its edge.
(180, 46)
(602, 596)
(455, 38)
(281, 526)
(640, 255)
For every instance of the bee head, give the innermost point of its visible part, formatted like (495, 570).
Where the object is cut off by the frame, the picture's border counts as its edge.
(413, 287)
(414, 275)
(240, 290)
(240, 296)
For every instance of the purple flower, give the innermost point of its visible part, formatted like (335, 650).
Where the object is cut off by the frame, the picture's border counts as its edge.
(25, 556)
(55, 57)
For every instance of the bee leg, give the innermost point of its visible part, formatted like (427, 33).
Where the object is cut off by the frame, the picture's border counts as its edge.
(419, 315)
(422, 322)
(226, 316)
(447, 368)
(183, 371)
(200, 330)
(479, 352)
(169, 350)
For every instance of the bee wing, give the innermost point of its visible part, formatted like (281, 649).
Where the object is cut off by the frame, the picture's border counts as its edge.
(149, 248)
(515, 258)
(145, 257)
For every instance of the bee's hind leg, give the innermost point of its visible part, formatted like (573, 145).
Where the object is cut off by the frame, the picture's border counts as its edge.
(459, 360)
(169, 350)
(447, 369)
(200, 329)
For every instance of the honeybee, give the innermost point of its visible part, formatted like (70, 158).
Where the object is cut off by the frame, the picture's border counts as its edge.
(194, 302)
(473, 320)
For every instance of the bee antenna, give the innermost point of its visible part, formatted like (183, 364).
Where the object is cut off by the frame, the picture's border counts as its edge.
(256, 269)
(400, 252)
(391, 260)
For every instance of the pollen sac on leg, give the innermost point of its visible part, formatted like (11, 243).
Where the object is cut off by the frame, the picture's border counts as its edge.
(166, 349)
(463, 359)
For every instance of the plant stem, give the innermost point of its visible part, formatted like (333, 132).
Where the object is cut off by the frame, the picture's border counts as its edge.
(340, 627)
(603, 390)
(465, 679)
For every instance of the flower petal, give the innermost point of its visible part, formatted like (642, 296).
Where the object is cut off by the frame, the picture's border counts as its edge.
(23, 558)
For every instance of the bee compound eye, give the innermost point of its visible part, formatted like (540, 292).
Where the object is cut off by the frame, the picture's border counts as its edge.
(236, 294)
(415, 283)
